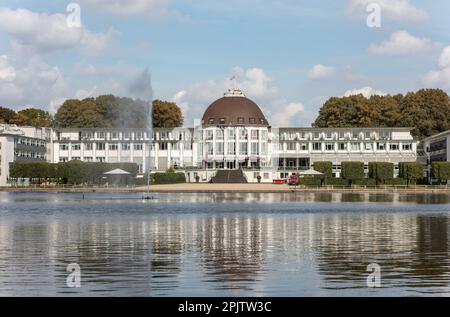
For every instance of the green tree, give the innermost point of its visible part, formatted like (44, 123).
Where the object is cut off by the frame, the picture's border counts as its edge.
(411, 171)
(7, 115)
(440, 171)
(34, 117)
(166, 115)
(325, 168)
(381, 171)
(352, 171)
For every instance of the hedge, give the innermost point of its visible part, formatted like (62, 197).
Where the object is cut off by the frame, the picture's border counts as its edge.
(325, 168)
(381, 171)
(440, 171)
(168, 178)
(73, 172)
(411, 171)
(352, 171)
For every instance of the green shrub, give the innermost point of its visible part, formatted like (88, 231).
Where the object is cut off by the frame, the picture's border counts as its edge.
(396, 182)
(352, 171)
(325, 168)
(168, 178)
(411, 171)
(440, 171)
(337, 182)
(381, 171)
(311, 181)
(365, 182)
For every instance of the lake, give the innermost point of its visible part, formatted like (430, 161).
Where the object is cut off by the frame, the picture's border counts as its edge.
(293, 244)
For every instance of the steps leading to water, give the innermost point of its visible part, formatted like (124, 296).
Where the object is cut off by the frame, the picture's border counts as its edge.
(229, 177)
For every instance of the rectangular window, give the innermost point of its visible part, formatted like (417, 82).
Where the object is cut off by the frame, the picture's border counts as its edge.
(219, 148)
(264, 148)
(231, 134)
(291, 146)
(76, 147)
(113, 147)
(355, 146)
(342, 146)
(63, 147)
(317, 147)
(240, 120)
(222, 121)
(138, 147)
(303, 147)
(115, 135)
(329, 147)
(243, 134)
(100, 146)
(381, 146)
(407, 147)
(101, 135)
(126, 135)
(88, 146)
(254, 134)
(219, 134)
(231, 148)
(252, 120)
(209, 134)
(368, 146)
(125, 146)
(163, 146)
(255, 148)
(394, 147)
(243, 148)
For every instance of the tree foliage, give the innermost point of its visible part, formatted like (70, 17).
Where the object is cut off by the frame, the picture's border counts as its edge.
(325, 168)
(28, 117)
(440, 171)
(411, 171)
(109, 111)
(352, 171)
(425, 110)
(381, 171)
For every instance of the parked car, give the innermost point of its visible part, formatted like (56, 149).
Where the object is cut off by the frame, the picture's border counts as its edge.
(294, 179)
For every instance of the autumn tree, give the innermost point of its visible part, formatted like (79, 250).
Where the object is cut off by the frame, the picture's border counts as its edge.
(166, 115)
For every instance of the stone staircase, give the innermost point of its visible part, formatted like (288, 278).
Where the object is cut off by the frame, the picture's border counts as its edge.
(229, 177)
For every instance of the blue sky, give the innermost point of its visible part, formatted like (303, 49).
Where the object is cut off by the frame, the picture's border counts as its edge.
(289, 56)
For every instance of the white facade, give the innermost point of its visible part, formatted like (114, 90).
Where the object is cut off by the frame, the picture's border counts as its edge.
(22, 144)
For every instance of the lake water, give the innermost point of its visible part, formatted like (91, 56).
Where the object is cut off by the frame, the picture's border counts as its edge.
(224, 244)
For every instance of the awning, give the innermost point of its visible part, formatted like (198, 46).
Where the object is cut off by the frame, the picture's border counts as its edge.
(311, 172)
(117, 172)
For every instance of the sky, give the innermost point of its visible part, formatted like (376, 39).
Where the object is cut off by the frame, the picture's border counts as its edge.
(289, 56)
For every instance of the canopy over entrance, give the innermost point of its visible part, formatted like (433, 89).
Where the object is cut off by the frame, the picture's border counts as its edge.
(311, 172)
(117, 172)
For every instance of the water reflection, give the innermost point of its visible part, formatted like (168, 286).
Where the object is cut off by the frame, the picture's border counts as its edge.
(230, 245)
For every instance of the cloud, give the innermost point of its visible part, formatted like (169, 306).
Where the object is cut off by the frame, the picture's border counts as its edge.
(395, 10)
(256, 85)
(46, 33)
(33, 82)
(403, 43)
(365, 91)
(320, 71)
(440, 77)
(129, 7)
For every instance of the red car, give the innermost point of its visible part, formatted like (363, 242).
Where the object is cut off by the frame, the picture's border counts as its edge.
(294, 179)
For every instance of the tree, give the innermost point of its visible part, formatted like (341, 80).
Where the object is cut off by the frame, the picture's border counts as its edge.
(352, 171)
(381, 171)
(7, 115)
(34, 117)
(440, 171)
(80, 114)
(166, 115)
(425, 110)
(325, 168)
(411, 171)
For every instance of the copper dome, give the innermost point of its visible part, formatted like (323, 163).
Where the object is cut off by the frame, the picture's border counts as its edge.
(234, 110)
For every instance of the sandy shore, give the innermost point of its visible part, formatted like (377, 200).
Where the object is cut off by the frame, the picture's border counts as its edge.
(232, 188)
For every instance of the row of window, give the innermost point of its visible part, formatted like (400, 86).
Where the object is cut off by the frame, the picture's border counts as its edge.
(341, 135)
(317, 146)
(231, 148)
(99, 146)
(129, 135)
(29, 142)
(29, 154)
(240, 120)
(231, 134)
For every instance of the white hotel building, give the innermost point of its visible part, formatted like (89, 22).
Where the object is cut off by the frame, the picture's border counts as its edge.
(234, 135)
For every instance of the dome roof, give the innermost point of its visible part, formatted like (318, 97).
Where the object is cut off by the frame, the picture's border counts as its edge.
(234, 109)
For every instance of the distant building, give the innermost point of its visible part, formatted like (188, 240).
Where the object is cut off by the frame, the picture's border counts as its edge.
(234, 134)
(22, 144)
(436, 148)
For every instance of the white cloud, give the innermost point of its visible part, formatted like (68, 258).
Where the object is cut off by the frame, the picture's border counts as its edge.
(365, 91)
(396, 10)
(402, 43)
(256, 85)
(45, 32)
(320, 71)
(29, 83)
(129, 7)
(440, 77)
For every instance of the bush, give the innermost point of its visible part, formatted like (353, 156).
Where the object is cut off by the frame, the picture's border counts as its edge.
(381, 171)
(311, 181)
(365, 182)
(168, 178)
(411, 171)
(440, 171)
(396, 182)
(337, 182)
(352, 171)
(325, 168)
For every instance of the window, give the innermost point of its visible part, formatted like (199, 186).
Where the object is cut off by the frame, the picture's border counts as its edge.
(219, 148)
(138, 147)
(394, 147)
(63, 147)
(264, 135)
(329, 135)
(368, 146)
(139, 135)
(316, 135)
(290, 146)
(209, 149)
(211, 121)
(264, 148)
(341, 135)
(231, 148)
(100, 146)
(243, 148)
(88, 146)
(219, 134)
(115, 135)
(355, 135)
(329, 147)
(163, 146)
(342, 146)
(254, 134)
(126, 135)
(317, 147)
(125, 146)
(101, 135)
(240, 120)
(355, 146)
(222, 121)
(88, 159)
(252, 120)
(231, 134)
(381, 146)
(113, 147)
(242, 134)
(209, 134)
(76, 147)
(367, 135)
(407, 147)
(303, 147)
(255, 148)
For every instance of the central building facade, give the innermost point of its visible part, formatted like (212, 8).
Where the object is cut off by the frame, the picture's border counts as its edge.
(234, 134)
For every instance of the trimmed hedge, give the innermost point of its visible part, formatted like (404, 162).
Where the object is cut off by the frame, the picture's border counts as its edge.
(325, 168)
(440, 171)
(411, 171)
(381, 171)
(168, 178)
(352, 171)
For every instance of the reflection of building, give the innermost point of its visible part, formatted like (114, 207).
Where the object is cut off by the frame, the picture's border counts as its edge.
(234, 134)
